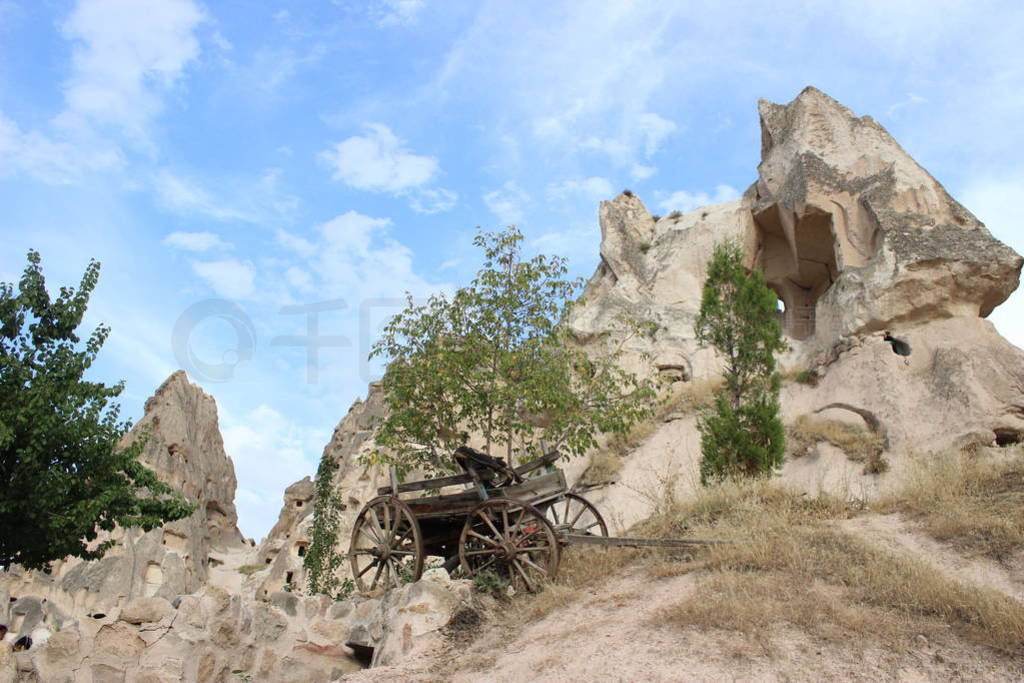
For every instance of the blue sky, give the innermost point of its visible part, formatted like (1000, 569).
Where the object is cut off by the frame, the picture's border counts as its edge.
(232, 163)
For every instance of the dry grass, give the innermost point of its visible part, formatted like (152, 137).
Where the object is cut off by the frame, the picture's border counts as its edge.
(581, 569)
(689, 397)
(789, 564)
(800, 375)
(249, 569)
(621, 444)
(973, 500)
(859, 444)
(604, 466)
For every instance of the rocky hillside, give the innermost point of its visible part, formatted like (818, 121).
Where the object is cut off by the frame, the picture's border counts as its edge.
(857, 240)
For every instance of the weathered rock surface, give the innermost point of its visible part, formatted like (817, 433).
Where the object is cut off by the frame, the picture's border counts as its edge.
(856, 238)
(853, 234)
(855, 230)
(357, 484)
(207, 635)
(186, 451)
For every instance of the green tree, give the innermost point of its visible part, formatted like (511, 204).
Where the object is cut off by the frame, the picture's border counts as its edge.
(493, 359)
(323, 559)
(742, 433)
(62, 474)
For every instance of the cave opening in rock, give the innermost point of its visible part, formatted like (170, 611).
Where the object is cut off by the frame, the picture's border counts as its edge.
(798, 257)
(1008, 437)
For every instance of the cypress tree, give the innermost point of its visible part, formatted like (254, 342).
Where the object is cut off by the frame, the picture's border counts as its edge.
(741, 434)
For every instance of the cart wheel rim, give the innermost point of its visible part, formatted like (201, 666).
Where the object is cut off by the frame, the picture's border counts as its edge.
(511, 539)
(574, 514)
(387, 546)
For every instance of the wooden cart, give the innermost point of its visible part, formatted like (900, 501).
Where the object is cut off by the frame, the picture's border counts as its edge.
(515, 530)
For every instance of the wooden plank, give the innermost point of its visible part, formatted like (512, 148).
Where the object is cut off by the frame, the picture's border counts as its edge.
(544, 460)
(537, 489)
(612, 541)
(455, 479)
(425, 484)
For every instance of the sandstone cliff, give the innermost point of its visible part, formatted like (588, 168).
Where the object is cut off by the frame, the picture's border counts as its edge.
(856, 238)
(186, 451)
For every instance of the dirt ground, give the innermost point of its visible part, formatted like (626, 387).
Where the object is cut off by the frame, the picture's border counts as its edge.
(612, 634)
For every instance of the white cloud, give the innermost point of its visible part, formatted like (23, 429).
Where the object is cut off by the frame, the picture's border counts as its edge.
(356, 258)
(184, 195)
(654, 130)
(684, 200)
(299, 278)
(299, 245)
(125, 53)
(195, 241)
(580, 243)
(433, 201)
(269, 451)
(379, 162)
(250, 200)
(641, 172)
(592, 189)
(230, 278)
(507, 202)
(52, 161)
(399, 12)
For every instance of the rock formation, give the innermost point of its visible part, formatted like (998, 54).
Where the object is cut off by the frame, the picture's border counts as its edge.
(173, 604)
(284, 547)
(856, 238)
(186, 451)
(852, 234)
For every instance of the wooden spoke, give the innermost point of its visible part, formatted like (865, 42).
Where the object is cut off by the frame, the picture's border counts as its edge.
(512, 539)
(485, 539)
(389, 528)
(574, 514)
(380, 568)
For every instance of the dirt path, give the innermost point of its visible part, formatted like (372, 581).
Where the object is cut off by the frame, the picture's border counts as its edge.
(896, 534)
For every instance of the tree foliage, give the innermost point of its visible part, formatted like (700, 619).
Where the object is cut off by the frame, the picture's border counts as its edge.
(742, 433)
(493, 359)
(63, 477)
(323, 559)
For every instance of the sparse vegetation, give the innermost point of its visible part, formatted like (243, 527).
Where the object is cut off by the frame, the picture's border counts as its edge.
(974, 501)
(689, 397)
(323, 558)
(789, 564)
(628, 192)
(805, 376)
(859, 444)
(645, 247)
(491, 583)
(345, 590)
(250, 569)
(675, 215)
(604, 466)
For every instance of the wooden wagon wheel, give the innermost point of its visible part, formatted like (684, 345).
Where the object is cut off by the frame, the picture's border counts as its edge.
(512, 539)
(574, 514)
(387, 546)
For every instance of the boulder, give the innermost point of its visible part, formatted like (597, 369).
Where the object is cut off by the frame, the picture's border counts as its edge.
(146, 610)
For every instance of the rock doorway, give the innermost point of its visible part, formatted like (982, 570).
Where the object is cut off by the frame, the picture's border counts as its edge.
(798, 257)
